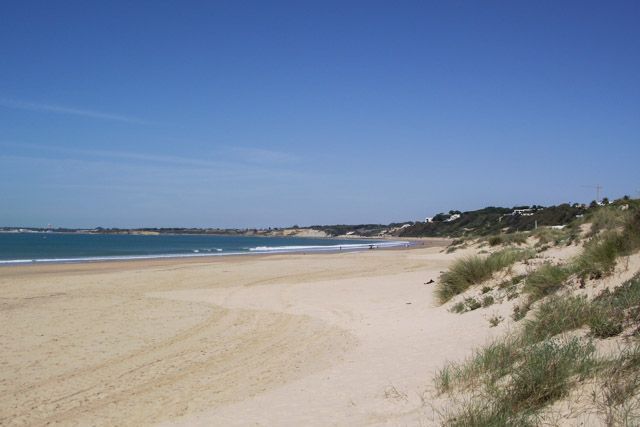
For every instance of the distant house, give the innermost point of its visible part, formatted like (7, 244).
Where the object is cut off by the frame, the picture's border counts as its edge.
(523, 212)
(453, 218)
(428, 219)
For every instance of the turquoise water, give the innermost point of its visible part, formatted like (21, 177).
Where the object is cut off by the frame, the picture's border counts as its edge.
(61, 247)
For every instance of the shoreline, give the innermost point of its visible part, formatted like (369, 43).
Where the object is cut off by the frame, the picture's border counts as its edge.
(380, 243)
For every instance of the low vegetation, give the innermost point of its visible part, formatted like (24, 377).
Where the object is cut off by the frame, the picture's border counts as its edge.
(507, 239)
(607, 218)
(612, 312)
(488, 300)
(473, 270)
(512, 380)
(547, 279)
(495, 320)
(494, 221)
(616, 392)
(556, 315)
(558, 237)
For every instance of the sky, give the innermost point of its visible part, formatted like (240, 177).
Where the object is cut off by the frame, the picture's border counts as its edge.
(266, 113)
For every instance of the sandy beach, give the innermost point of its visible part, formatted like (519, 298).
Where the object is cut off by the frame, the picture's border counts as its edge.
(297, 339)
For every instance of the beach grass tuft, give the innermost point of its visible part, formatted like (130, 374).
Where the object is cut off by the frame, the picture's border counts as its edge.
(473, 270)
(555, 315)
(547, 279)
(517, 382)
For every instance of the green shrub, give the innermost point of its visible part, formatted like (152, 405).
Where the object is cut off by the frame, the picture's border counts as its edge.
(487, 364)
(556, 315)
(607, 218)
(510, 285)
(495, 320)
(618, 381)
(472, 304)
(516, 238)
(507, 257)
(442, 380)
(624, 296)
(486, 289)
(451, 249)
(606, 322)
(600, 256)
(612, 310)
(547, 279)
(487, 414)
(463, 273)
(520, 311)
(458, 307)
(544, 373)
(487, 301)
(546, 235)
(495, 240)
(530, 378)
(473, 270)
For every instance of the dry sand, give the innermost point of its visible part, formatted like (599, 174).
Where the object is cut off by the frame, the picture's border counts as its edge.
(316, 339)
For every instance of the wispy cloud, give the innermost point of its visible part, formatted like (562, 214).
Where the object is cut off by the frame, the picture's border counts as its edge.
(236, 157)
(262, 156)
(59, 109)
(220, 167)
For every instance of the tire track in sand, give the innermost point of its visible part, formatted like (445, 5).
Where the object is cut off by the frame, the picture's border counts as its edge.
(233, 353)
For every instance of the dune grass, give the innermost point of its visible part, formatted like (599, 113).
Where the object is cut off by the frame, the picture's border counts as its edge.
(607, 315)
(598, 259)
(546, 236)
(518, 375)
(601, 253)
(518, 238)
(509, 381)
(556, 315)
(607, 218)
(516, 383)
(486, 365)
(473, 270)
(611, 312)
(547, 279)
(616, 394)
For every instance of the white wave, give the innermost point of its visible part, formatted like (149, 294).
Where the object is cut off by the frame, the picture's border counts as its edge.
(256, 250)
(346, 246)
(114, 258)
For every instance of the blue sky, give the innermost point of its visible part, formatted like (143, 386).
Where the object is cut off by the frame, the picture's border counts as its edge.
(251, 114)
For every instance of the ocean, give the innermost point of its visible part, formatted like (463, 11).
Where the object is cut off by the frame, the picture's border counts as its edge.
(19, 248)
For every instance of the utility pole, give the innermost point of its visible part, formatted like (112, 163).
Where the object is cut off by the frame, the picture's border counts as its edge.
(597, 187)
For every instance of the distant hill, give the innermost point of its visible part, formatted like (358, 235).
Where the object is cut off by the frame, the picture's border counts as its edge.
(481, 222)
(365, 230)
(493, 220)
